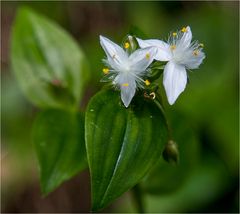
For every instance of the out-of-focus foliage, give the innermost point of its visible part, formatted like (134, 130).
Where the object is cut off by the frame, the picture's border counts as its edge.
(189, 149)
(50, 67)
(59, 140)
(209, 103)
(49, 77)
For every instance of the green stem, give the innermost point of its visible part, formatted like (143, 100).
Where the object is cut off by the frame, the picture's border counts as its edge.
(138, 198)
(159, 105)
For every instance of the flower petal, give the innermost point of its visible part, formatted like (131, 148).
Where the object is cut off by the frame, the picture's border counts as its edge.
(186, 39)
(115, 54)
(127, 85)
(174, 80)
(163, 49)
(194, 61)
(140, 59)
(127, 94)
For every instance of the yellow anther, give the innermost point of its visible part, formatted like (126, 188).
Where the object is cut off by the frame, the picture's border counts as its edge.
(147, 82)
(152, 95)
(125, 84)
(184, 30)
(195, 52)
(148, 56)
(201, 45)
(126, 45)
(105, 70)
(174, 34)
(173, 47)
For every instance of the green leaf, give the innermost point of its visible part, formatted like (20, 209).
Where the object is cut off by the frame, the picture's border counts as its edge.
(165, 178)
(59, 141)
(122, 144)
(49, 66)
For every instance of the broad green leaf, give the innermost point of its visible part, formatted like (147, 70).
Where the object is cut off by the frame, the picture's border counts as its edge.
(49, 66)
(165, 178)
(122, 144)
(59, 141)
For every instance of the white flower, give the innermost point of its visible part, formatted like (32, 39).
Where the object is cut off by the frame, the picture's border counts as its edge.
(124, 70)
(181, 54)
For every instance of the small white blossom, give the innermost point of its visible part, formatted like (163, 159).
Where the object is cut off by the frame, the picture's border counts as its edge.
(181, 54)
(126, 71)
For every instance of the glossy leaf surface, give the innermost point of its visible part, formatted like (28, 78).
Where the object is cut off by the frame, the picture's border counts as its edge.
(49, 66)
(59, 141)
(122, 144)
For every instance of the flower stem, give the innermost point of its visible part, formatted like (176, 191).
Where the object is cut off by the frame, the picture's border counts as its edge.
(138, 198)
(159, 105)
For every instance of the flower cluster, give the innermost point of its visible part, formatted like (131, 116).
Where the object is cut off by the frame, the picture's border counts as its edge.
(128, 71)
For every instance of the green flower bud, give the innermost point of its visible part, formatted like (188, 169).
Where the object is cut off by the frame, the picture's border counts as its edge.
(129, 44)
(171, 153)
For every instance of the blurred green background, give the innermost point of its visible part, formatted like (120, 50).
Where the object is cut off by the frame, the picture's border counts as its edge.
(204, 118)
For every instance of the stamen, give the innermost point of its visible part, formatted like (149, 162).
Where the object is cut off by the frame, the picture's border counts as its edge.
(114, 56)
(174, 34)
(195, 52)
(105, 70)
(137, 77)
(201, 45)
(153, 95)
(184, 30)
(125, 84)
(173, 47)
(147, 82)
(148, 56)
(126, 45)
(146, 95)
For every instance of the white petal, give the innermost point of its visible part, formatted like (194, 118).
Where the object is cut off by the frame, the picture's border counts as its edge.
(127, 85)
(174, 80)
(186, 39)
(115, 54)
(140, 59)
(193, 61)
(163, 49)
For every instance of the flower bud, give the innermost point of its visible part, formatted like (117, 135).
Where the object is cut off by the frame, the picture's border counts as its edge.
(171, 153)
(133, 42)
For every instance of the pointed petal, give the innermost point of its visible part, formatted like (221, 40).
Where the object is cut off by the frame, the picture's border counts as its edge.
(193, 61)
(186, 39)
(115, 54)
(127, 85)
(174, 81)
(140, 59)
(163, 49)
(127, 94)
